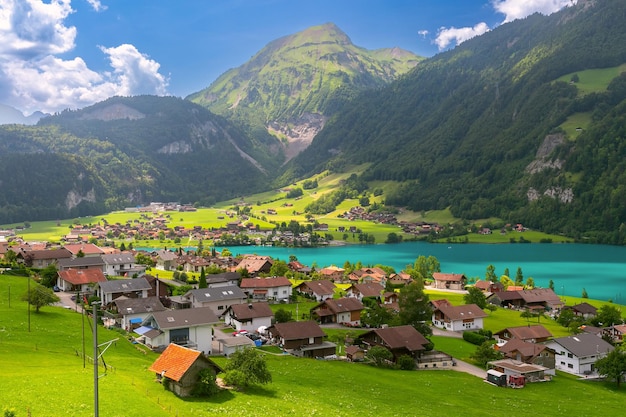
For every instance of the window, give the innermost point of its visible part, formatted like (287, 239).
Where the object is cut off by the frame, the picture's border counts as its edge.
(220, 307)
(570, 365)
(569, 355)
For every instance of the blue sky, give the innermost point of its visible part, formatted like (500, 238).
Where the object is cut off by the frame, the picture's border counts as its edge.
(59, 54)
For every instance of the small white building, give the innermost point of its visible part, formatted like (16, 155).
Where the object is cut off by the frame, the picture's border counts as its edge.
(249, 316)
(458, 318)
(578, 354)
(273, 288)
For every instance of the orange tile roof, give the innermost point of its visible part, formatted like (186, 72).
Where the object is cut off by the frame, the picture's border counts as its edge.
(82, 276)
(175, 361)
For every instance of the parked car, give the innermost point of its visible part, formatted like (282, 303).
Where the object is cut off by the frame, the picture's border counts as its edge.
(56, 288)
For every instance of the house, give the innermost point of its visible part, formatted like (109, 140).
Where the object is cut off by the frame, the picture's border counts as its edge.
(249, 316)
(130, 288)
(489, 286)
(255, 265)
(42, 258)
(401, 278)
(122, 264)
(514, 368)
(616, 332)
(302, 338)
(191, 327)
(332, 273)
(132, 311)
(364, 290)
(538, 299)
(400, 340)
(584, 310)
(533, 334)
(224, 279)
(79, 280)
(227, 345)
(181, 366)
(531, 353)
(91, 262)
(158, 288)
(578, 354)
(218, 299)
(84, 249)
(354, 353)
(458, 318)
(318, 290)
(273, 288)
(369, 275)
(449, 281)
(346, 311)
(165, 259)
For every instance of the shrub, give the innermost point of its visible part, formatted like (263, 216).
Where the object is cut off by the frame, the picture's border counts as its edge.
(406, 363)
(474, 338)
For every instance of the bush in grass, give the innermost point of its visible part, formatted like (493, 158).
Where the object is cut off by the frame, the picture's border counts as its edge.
(379, 356)
(206, 385)
(406, 363)
(474, 338)
(247, 367)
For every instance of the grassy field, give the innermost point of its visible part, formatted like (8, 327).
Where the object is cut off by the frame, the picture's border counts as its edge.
(44, 376)
(594, 80)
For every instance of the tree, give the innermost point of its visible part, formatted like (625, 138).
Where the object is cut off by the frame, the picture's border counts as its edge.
(202, 281)
(607, 316)
(485, 353)
(39, 296)
(10, 257)
(506, 281)
(379, 355)
(415, 307)
(279, 268)
(475, 296)
(282, 316)
(612, 366)
(49, 276)
(206, 385)
(584, 294)
(247, 367)
(406, 363)
(566, 317)
(490, 274)
(530, 283)
(519, 276)
(376, 316)
(551, 285)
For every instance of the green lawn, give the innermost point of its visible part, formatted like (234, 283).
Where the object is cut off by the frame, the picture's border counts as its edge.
(44, 376)
(594, 80)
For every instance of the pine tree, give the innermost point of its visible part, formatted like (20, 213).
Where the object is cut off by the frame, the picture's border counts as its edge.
(202, 282)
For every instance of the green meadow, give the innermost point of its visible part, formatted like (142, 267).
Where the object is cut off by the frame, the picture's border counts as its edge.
(44, 375)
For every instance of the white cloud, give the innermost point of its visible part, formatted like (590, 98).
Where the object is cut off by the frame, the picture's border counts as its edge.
(423, 33)
(97, 5)
(446, 36)
(34, 77)
(518, 9)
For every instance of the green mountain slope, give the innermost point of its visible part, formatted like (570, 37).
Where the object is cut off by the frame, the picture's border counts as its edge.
(477, 129)
(124, 152)
(291, 86)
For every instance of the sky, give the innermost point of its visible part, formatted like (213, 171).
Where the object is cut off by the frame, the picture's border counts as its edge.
(69, 54)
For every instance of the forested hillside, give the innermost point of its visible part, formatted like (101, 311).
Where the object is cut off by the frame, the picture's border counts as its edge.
(124, 152)
(464, 128)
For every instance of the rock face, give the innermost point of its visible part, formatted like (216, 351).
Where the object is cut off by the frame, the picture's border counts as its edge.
(298, 133)
(543, 162)
(73, 198)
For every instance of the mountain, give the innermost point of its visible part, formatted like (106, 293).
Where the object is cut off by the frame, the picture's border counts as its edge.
(487, 130)
(123, 152)
(11, 115)
(290, 88)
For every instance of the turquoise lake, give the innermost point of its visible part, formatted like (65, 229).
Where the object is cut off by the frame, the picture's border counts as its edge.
(600, 269)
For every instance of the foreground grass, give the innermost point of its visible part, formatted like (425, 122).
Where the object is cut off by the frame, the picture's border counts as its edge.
(44, 377)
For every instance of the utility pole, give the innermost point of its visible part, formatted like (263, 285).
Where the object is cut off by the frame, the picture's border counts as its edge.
(95, 305)
(28, 304)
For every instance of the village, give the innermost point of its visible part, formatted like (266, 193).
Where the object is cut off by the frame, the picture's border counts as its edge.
(236, 308)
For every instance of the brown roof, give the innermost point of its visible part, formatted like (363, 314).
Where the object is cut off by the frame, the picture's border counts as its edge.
(272, 282)
(402, 337)
(526, 349)
(86, 248)
(536, 331)
(541, 295)
(251, 311)
(369, 289)
(466, 311)
(175, 361)
(438, 276)
(48, 254)
(82, 276)
(342, 305)
(585, 308)
(294, 330)
(319, 287)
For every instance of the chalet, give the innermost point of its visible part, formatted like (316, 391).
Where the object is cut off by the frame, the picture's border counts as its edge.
(122, 264)
(449, 281)
(319, 290)
(578, 354)
(181, 366)
(84, 249)
(368, 275)
(513, 368)
(273, 288)
(165, 259)
(302, 338)
(255, 265)
(296, 266)
(533, 334)
(158, 288)
(400, 340)
(79, 280)
(398, 279)
(223, 279)
(354, 353)
(538, 299)
(489, 286)
(365, 290)
(249, 316)
(617, 332)
(218, 299)
(345, 311)
(190, 327)
(130, 312)
(531, 353)
(584, 310)
(458, 318)
(42, 258)
(91, 262)
(129, 288)
(332, 273)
